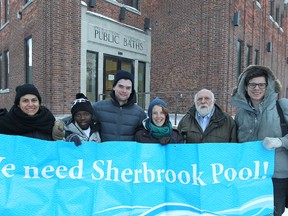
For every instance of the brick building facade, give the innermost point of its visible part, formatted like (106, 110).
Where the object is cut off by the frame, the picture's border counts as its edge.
(184, 46)
(199, 44)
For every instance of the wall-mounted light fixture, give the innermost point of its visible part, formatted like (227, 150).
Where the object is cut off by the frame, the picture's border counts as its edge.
(122, 13)
(269, 47)
(146, 23)
(19, 15)
(236, 18)
(92, 3)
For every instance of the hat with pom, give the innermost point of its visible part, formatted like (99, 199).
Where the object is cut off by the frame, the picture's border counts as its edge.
(24, 89)
(122, 74)
(81, 103)
(156, 101)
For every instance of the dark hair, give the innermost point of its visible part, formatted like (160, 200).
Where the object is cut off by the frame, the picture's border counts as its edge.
(255, 72)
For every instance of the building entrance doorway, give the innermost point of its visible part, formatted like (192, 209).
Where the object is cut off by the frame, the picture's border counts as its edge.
(111, 65)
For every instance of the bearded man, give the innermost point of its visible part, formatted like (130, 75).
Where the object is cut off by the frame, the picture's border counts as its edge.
(205, 122)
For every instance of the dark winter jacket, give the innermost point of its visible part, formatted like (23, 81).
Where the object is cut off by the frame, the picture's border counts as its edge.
(253, 125)
(118, 123)
(16, 122)
(143, 135)
(221, 128)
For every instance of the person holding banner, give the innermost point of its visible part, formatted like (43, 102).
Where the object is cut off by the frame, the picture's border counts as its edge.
(257, 118)
(205, 122)
(27, 117)
(119, 116)
(157, 128)
(82, 127)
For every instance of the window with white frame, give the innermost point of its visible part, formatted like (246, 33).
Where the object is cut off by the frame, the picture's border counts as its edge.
(28, 59)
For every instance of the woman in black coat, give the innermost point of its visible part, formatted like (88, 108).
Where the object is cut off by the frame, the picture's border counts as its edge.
(157, 128)
(27, 117)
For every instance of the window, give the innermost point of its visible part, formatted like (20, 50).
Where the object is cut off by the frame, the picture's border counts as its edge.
(271, 8)
(132, 3)
(281, 20)
(256, 57)
(111, 65)
(0, 71)
(0, 15)
(258, 3)
(141, 84)
(91, 76)
(28, 59)
(277, 15)
(239, 57)
(6, 15)
(248, 55)
(6, 75)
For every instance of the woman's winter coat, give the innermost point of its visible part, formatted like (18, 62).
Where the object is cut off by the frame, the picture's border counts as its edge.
(256, 125)
(143, 135)
(16, 122)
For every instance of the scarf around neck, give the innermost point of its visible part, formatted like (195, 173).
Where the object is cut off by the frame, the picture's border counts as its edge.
(159, 132)
(16, 122)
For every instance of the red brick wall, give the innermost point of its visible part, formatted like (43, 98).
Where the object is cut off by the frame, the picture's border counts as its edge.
(193, 46)
(55, 30)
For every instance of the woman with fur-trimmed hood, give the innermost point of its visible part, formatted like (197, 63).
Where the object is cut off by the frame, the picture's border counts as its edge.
(257, 119)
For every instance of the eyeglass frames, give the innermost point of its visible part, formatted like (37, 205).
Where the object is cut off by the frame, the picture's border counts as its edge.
(260, 85)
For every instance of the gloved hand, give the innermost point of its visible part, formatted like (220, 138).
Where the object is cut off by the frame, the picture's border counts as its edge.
(58, 130)
(74, 138)
(272, 143)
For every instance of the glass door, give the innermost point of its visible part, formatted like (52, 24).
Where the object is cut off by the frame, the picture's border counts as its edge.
(111, 65)
(91, 76)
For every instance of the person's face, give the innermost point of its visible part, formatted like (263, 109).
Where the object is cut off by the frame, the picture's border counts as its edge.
(83, 119)
(204, 103)
(123, 90)
(257, 93)
(29, 104)
(158, 116)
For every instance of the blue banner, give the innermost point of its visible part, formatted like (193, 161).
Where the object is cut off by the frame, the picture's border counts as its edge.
(128, 178)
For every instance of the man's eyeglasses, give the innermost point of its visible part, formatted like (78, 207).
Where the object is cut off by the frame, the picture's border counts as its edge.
(260, 85)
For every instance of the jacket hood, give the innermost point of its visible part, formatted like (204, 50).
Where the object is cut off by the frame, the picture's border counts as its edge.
(273, 88)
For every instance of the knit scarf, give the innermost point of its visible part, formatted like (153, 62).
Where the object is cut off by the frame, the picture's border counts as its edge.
(159, 132)
(16, 122)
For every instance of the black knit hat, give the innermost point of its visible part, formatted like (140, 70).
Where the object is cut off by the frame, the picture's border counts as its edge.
(26, 89)
(81, 103)
(121, 74)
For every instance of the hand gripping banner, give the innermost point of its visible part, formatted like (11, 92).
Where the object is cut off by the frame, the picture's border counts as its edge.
(128, 178)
